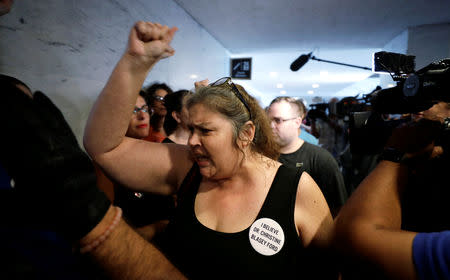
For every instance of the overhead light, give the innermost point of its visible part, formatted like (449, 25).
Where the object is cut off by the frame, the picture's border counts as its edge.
(273, 74)
(279, 85)
(310, 91)
(315, 85)
(193, 76)
(283, 92)
(323, 73)
(304, 58)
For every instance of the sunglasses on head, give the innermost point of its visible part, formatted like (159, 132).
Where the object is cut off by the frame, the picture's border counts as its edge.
(229, 82)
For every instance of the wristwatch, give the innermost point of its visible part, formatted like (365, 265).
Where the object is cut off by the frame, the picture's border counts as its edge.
(392, 154)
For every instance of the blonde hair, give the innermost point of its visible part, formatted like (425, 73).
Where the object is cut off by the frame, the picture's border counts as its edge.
(298, 104)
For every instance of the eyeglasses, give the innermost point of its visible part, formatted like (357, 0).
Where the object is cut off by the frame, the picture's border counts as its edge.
(143, 109)
(227, 81)
(279, 121)
(158, 98)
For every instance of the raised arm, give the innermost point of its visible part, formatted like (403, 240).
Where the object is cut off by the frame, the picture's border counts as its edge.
(135, 163)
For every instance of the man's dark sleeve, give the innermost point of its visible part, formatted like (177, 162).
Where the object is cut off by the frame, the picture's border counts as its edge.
(330, 180)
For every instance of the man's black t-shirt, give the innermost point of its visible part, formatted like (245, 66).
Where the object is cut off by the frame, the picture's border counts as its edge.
(323, 168)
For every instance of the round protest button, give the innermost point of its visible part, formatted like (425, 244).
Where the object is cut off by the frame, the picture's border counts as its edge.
(266, 236)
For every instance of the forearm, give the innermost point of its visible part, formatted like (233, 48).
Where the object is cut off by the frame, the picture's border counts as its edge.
(368, 225)
(126, 255)
(377, 198)
(388, 251)
(374, 205)
(149, 231)
(110, 115)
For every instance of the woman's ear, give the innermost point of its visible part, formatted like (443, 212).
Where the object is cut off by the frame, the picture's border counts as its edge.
(176, 116)
(247, 133)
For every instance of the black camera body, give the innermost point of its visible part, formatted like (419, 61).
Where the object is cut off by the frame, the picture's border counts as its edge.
(415, 91)
(348, 105)
(318, 111)
(341, 109)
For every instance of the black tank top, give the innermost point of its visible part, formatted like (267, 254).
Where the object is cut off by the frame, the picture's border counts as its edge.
(200, 252)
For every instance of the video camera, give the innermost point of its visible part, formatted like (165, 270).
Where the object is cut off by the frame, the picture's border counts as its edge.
(348, 105)
(341, 109)
(415, 91)
(318, 111)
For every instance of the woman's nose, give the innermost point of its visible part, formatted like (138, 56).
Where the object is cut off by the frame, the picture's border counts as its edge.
(193, 139)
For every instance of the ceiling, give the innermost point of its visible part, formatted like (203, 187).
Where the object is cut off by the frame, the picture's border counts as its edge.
(274, 33)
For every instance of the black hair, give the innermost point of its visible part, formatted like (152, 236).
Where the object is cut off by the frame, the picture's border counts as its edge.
(174, 103)
(151, 90)
(8, 81)
(142, 94)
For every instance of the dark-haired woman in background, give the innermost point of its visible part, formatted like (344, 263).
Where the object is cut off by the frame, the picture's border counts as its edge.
(177, 117)
(155, 97)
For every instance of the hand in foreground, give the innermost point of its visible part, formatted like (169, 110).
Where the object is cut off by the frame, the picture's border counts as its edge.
(151, 41)
(202, 83)
(415, 138)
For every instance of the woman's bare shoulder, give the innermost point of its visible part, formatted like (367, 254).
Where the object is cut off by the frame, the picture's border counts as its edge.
(312, 214)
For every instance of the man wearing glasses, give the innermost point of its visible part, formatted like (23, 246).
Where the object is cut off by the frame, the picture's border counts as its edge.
(285, 115)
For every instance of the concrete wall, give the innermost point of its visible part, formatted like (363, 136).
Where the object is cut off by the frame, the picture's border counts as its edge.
(428, 43)
(68, 48)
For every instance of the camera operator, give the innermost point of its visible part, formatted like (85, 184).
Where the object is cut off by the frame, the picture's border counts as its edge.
(321, 128)
(328, 127)
(369, 226)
